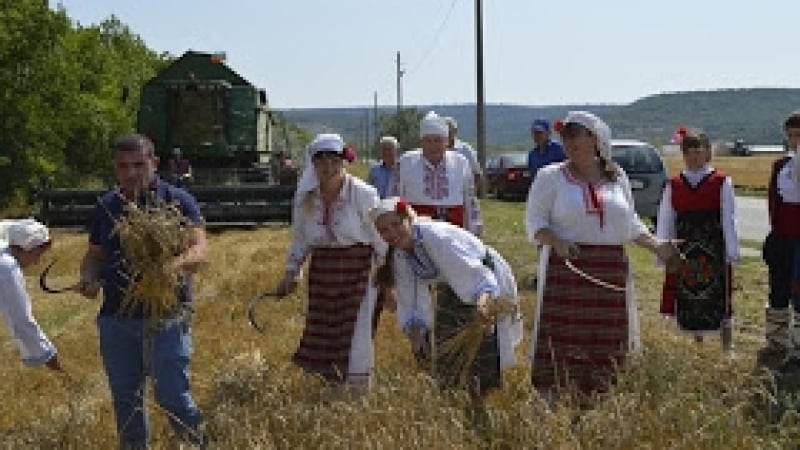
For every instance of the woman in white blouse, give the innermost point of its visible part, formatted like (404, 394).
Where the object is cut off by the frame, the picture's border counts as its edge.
(582, 211)
(468, 275)
(22, 243)
(331, 225)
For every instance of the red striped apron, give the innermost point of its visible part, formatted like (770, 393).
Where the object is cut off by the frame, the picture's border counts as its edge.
(337, 284)
(583, 328)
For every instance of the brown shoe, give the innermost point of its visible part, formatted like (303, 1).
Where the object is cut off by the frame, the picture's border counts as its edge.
(771, 356)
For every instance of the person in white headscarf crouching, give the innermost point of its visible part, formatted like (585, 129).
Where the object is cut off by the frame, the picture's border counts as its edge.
(331, 225)
(471, 277)
(22, 243)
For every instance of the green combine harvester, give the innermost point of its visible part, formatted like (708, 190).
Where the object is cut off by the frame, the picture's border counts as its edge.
(221, 124)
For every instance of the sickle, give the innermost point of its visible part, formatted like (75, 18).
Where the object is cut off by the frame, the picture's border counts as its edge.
(49, 290)
(251, 316)
(592, 279)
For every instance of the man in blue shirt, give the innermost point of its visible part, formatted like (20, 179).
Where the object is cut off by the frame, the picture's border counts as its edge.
(380, 175)
(132, 344)
(544, 151)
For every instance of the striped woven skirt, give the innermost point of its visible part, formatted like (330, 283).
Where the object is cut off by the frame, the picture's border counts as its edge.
(582, 330)
(337, 285)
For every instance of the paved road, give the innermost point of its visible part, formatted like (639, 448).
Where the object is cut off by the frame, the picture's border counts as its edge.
(751, 218)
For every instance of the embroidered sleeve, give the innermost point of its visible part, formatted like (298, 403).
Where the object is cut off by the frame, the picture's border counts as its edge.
(299, 247)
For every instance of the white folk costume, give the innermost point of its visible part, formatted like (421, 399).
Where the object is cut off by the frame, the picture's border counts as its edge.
(15, 303)
(344, 248)
(698, 207)
(583, 331)
(445, 191)
(445, 254)
(469, 153)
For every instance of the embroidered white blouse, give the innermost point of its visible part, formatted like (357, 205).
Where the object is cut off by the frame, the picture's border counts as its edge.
(665, 228)
(344, 224)
(449, 183)
(446, 253)
(575, 211)
(15, 306)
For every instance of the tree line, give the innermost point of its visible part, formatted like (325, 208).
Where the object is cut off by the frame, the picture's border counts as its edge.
(66, 92)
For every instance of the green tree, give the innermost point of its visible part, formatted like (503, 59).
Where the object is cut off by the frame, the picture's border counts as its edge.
(66, 92)
(403, 125)
(32, 120)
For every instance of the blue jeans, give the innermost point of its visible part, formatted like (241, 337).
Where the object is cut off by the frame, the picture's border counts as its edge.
(128, 357)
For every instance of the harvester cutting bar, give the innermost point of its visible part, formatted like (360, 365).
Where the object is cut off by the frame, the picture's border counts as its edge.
(228, 205)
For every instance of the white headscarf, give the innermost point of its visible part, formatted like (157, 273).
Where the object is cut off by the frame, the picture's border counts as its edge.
(433, 124)
(389, 205)
(324, 142)
(24, 233)
(598, 128)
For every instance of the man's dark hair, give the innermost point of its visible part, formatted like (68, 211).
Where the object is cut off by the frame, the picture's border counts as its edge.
(135, 142)
(793, 121)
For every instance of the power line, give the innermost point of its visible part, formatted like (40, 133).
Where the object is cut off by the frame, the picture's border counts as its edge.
(435, 38)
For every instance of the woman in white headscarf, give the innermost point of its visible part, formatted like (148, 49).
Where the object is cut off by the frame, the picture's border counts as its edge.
(22, 243)
(331, 225)
(582, 211)
(468, 274)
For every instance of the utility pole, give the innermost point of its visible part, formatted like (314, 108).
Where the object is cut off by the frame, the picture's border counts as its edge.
(481, 106)
(375, 125)
(367, 140)
(400, 73)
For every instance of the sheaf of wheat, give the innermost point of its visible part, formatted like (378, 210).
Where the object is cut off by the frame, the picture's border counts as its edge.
(461, 349)
(152, 235)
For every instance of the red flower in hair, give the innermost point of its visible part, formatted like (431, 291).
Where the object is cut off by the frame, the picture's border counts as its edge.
(558, 125)
(349, 154)
(401, 207)
(678, 135)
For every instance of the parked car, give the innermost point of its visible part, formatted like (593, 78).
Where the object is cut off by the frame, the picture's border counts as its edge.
(507, 175)
(646, 172)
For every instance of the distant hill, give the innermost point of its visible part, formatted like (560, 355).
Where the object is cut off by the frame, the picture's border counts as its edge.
(755, 115)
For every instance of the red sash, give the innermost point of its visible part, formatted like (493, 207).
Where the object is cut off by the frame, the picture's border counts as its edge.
(453, 214)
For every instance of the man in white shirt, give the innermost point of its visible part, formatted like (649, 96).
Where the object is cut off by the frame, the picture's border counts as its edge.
(436, 182)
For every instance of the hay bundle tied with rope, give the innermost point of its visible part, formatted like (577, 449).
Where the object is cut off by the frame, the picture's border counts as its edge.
(460, 350)
(152, 235)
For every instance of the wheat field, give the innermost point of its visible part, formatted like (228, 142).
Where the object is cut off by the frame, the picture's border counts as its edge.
(749, 172)
(677, 394)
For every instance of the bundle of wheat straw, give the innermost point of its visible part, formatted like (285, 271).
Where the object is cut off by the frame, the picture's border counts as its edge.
(152, 236)
(460, 350)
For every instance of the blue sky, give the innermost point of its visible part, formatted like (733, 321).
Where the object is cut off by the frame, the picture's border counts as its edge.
(328, 53)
